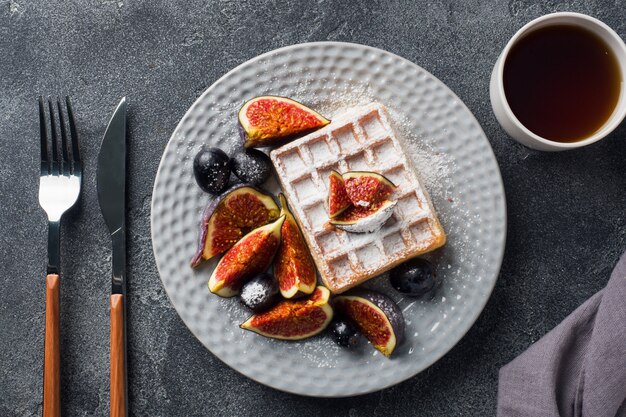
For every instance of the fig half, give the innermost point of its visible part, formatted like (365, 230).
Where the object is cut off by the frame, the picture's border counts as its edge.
(269, 120)
(376, 316)
(358, 219)
(293, 266)
(226, 219)
(338, 200)
(367, 188)
(250, 256)
(294, 319)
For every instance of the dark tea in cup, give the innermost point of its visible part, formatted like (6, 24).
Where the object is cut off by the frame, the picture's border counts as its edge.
(562, 82)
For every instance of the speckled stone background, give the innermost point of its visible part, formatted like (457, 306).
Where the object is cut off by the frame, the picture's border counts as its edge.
(567, 222)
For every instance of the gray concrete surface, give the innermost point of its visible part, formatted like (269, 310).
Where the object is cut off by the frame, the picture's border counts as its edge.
(567, 223)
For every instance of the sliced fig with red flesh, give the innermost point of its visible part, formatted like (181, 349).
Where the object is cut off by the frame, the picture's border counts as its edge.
(376, 316)
(250, 256)
(358, 219)
(338, 200)
(294, 319)
(270, 120)
(367, 188)
(293, 265)
(226, 219)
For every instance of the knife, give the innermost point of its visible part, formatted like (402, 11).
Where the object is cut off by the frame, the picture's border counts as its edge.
(111, 184)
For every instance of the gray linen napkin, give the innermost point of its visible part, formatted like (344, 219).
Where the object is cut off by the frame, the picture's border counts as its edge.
(579, 368)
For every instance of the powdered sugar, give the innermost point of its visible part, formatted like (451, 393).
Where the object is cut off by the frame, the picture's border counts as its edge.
(251, 166)
(433, 166)
(255, 292)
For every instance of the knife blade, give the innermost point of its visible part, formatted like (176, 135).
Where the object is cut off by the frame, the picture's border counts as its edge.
(111, 185)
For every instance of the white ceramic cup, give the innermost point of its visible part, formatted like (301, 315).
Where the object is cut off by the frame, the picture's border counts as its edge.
(505, 115)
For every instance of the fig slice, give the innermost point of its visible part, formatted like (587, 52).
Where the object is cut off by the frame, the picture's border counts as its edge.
(338, 200)
(358, 219)
(250, 256)
(226, 219)
(376, 316)
(293, 266)
(367, 188)
(269, 120)
(294, 319)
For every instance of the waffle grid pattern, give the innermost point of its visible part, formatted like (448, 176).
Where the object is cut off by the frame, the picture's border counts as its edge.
(360, 140)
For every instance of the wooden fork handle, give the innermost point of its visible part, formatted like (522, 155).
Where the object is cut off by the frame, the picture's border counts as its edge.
(118, 357)
(52, 352)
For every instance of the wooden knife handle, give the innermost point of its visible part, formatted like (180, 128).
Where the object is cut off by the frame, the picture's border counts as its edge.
(118, 357)
(52, 351)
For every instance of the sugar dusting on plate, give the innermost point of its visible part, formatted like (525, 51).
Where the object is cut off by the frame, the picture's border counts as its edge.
(433, 167)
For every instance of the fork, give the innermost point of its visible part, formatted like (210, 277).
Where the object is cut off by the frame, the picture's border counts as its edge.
(59, 187)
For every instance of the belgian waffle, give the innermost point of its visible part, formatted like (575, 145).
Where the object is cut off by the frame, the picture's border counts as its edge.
(359, 140)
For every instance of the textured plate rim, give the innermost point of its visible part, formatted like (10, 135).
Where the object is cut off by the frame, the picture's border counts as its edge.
(499, 181)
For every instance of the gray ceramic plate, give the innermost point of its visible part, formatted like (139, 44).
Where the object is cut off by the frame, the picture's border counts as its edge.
(457, 167)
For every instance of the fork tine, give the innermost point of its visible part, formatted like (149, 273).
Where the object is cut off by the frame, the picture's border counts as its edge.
(73, 134)
(56, 161)
(43, 134)
(66, 160)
